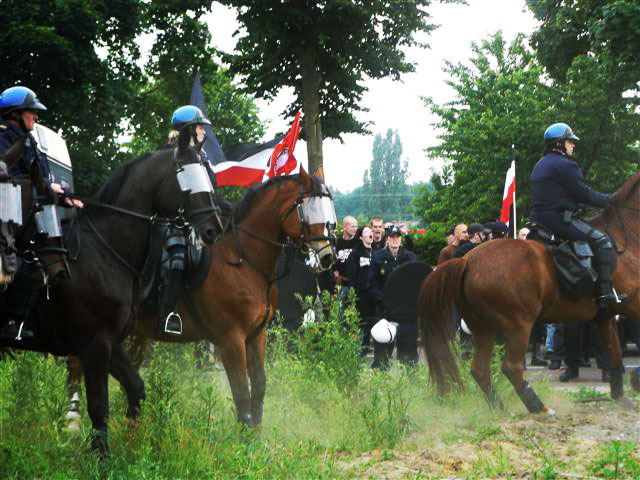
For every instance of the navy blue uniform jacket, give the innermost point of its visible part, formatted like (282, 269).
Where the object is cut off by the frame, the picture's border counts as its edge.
(9, 134)
(557, 184)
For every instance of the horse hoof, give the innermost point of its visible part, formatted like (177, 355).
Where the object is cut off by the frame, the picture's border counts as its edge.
(550, 411)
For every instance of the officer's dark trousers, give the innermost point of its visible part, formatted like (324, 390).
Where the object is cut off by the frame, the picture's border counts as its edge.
(22, 293)
(604, 256)
(406, 342)
(364, 305)
(575, 342)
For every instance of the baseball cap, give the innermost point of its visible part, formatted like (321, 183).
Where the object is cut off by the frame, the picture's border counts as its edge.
(475, 228)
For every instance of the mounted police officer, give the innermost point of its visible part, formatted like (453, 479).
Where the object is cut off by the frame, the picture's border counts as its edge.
(19, 107)
(175, 243)
(557, 190)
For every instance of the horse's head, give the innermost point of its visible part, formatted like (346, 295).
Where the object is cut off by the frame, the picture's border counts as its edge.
(192, 192)
(38, 232)
(314, 223)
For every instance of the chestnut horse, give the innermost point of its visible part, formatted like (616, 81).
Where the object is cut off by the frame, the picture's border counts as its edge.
(239, 295)
(509, 285)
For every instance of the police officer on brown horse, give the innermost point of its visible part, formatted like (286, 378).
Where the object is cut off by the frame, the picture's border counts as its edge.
(557, 189)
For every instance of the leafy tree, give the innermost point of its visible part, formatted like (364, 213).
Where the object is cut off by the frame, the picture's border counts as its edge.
(606, 29)
(324, 50)
(591, 49)
(501, 101)
(387, 178)
(80, 58)
(84, 61)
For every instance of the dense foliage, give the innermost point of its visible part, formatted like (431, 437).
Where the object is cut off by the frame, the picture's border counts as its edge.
(86, 61)
(324, 50)
(504, 98)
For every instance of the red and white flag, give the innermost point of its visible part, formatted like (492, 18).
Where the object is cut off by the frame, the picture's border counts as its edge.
(508, 211)
(259, 163)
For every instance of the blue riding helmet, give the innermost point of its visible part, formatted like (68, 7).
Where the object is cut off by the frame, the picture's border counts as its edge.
(188, 115)
(19, 98)
(559, 131)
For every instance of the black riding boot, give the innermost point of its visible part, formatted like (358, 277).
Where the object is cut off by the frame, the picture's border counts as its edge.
(604, 261)
(21, 297)
(168, 320)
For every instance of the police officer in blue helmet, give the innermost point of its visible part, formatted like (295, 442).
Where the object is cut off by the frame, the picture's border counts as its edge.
(19, 109)
(558, 189)
(175, 243)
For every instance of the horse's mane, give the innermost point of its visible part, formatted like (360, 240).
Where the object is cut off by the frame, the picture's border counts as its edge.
(109, 191)
(242, 208)
(628, 188)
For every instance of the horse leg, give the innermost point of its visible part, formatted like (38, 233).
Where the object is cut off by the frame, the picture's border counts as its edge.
(138, 349)
(481, 366)
(124, 372)
(513, 368)
(609, 333)
(255, 363)
(95, 363)
(74, 375)
(234, 358)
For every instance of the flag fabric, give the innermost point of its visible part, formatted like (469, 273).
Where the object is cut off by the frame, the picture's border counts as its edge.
(211, 146)
(256, 163)
(508, 210)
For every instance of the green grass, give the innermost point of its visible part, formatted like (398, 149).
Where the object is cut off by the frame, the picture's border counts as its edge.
(327, 415)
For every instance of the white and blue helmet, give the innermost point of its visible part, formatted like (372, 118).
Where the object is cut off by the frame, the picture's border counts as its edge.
(19, 98)
(188, 115)
(557, 132)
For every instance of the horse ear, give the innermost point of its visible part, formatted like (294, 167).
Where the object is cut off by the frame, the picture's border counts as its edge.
(184, 139)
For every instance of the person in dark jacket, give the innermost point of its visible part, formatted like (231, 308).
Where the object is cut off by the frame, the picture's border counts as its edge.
(19, 107)
(384, 262)
(357, 269)
(477, 234)
(557, 190)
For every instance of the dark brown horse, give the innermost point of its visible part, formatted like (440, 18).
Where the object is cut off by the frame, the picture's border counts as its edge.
(508, 285)
(90, 313)
(239, 295)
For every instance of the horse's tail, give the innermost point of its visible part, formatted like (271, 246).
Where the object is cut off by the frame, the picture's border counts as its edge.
(439, 291)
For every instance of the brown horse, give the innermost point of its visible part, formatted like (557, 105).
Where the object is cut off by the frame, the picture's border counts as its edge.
(239, 295)
(508, 286)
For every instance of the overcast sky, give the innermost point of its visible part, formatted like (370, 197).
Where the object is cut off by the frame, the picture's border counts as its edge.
(396, 105)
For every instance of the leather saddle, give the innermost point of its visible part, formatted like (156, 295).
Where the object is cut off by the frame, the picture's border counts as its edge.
(572, 260)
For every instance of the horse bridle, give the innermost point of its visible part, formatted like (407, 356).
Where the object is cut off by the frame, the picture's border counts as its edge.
(289, 246)
(33, 256)
(179, 221)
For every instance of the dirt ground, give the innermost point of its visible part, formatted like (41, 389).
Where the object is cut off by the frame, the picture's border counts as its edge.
(561, 445)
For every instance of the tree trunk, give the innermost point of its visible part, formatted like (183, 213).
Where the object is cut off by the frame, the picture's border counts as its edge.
(311, 106)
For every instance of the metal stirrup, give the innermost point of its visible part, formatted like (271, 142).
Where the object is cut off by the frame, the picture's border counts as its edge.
(19, 336)
(166, 324)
